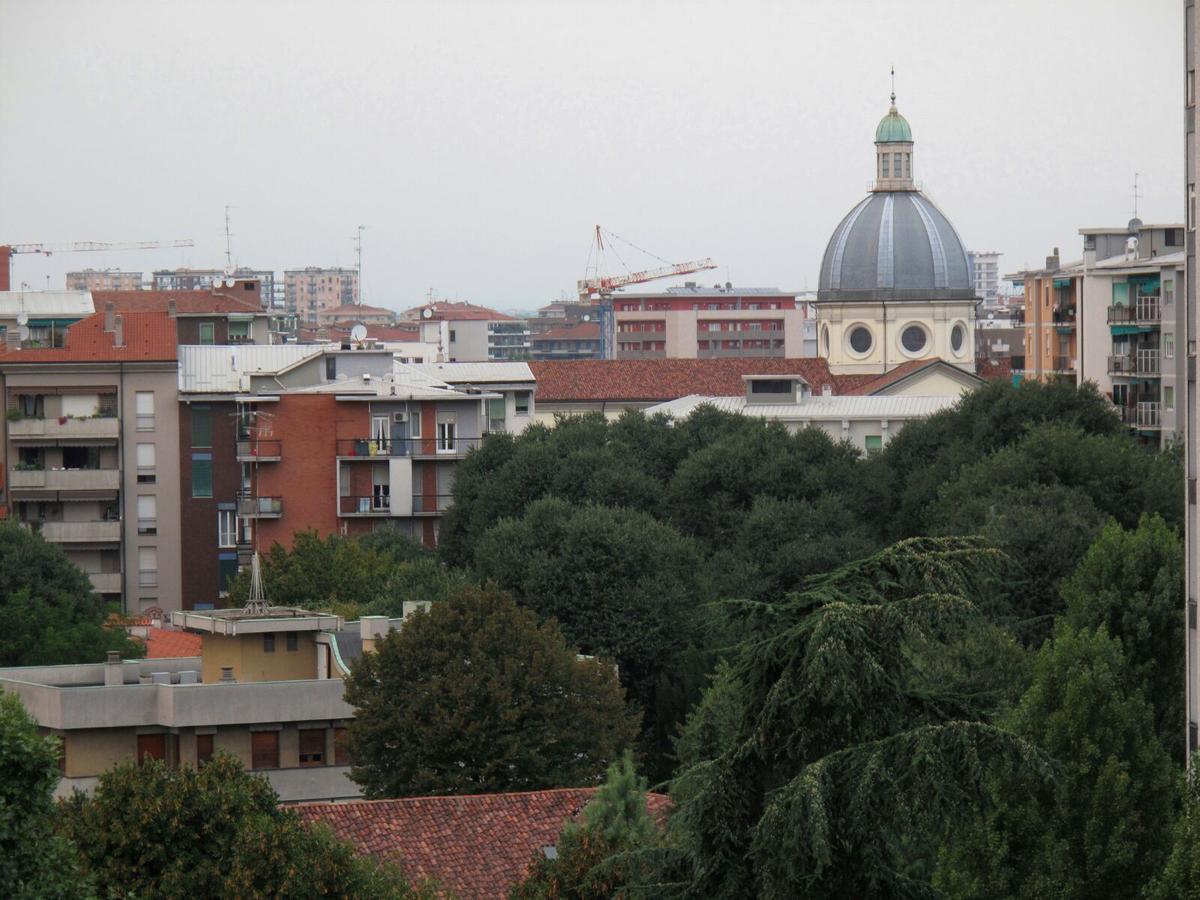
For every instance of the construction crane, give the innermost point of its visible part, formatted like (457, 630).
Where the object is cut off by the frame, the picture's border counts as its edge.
(7, 251)
(602, 286)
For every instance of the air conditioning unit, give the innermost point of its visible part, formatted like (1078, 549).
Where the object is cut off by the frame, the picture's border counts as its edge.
(399, 417)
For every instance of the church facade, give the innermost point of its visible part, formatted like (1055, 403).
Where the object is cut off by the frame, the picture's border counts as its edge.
(896, 283)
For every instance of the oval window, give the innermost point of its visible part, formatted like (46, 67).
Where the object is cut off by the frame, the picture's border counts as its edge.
(956, 338)
(860, 339)
(912, 338)
(825, 339)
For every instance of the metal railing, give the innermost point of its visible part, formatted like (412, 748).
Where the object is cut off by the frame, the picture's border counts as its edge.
(1143, 414)
(1064, 364)
(1143, 311)
(431, 503)
(260, 507)
(97, 428)
(422, 446)
(1138, 362)
(372, 505)
(262, 451)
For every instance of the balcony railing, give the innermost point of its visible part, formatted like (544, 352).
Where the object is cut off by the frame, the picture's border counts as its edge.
(431, 503)
(103, 428)
(373, 505)
(260, 451)
(1139, 362)
(1018, 363)
(367, 448)
(1064, 364)
(63, 479)
(81, 532)
(1145, 414)
(105, 582)
(1143, 311)
(260, 507)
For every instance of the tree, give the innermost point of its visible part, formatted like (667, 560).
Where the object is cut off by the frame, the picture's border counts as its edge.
(216, 831)
(1101, 828)
(1180, 880)
(847, 760)
(1131, 582)
(35, 863)
(474, 696)
(49, 614)
(596, 857)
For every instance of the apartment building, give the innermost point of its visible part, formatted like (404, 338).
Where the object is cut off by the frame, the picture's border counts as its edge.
(1049, 311)
(1190, 333)
(692, 322)
(104, 280)
(985, 269)
(308, 291)
(215, 279)
(266, 688)
(36, 319)
(470, 333)
(580, 340)
(90, 434)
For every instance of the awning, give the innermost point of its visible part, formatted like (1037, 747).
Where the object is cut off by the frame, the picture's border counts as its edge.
(47, 323)
(1062, 282)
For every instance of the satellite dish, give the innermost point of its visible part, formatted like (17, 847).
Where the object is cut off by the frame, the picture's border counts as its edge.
(358, 333)
(22, 318)
(23, 332)
(229, 282)
(587, 318)
(427, 313)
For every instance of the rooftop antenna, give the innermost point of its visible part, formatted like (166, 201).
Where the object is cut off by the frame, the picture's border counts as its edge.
(358, 250)
(893, 84)
(228, 245)
(1136, 195)
(256, 603)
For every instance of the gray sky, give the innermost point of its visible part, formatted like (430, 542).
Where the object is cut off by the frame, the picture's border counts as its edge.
(480, 142)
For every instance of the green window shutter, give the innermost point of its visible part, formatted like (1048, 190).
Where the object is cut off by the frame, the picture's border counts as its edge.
(206, 332)
(202, 478)
(874, 442)
(239, 329)
(496, 408)
(1120, 293)
(201, 425)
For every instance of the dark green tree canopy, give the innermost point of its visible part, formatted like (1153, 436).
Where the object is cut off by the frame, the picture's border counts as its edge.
(475, 696)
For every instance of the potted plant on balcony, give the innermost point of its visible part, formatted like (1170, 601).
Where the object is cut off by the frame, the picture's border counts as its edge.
(14, 415)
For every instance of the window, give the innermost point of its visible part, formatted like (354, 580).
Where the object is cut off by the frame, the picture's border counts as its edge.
(202, 475)
(264, 749)
(341, 747)
(151, 746)
(771, 386)
(268, 643)
(201, 425)
(1168, 398)
(861, 340)
(957, 334)
(148, 566)
(204, 749)
(239, 332)
(226, 528)
(521, 401)
(908, 165)
(896, 164)
(380, 433)
(496, 414)
(452, 335)
(147, 514)
(1174, 237)
(312, 746)
(873, 442)
(144, 404)
(883, 161)
(1169, 346)
(206, 332)
(446, 434)
(293, 642)
(414, 421)
(330, 368)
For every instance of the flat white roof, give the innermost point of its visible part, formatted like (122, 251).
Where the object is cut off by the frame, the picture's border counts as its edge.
(226, 369)
(815, 408)
(46, 304)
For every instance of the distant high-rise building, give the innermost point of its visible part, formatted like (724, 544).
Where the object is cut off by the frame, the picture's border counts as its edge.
(104, 280)
(309, 291)
(986, 266)
(204, 279)
(1191, 400)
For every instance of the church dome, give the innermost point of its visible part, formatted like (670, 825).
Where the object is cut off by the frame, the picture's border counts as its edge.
(893, 129)
(895, 245)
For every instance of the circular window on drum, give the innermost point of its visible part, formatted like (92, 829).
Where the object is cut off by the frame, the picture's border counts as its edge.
(913, 339)
(861, 340)
(825, 340)
(958, 336)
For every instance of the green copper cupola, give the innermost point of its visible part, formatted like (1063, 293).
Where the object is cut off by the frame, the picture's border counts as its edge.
(893, 152)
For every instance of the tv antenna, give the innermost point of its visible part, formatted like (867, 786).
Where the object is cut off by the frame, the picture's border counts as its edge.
(358, 251)
(1136, 195)
(228, 244)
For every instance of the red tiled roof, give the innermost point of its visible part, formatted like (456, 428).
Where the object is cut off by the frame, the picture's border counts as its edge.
(994, 370)
(186, 302)
(656, 380)
(457, 312)
(148, 337)
(583, 331)
(475, 846)
(164, 644)
(392, 333)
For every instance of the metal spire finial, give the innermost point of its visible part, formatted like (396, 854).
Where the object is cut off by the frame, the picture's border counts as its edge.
(893, 85)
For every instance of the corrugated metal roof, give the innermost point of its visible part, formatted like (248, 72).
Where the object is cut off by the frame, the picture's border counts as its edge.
(475, 372)
(46, 304)
(226, 369)
(814, 408)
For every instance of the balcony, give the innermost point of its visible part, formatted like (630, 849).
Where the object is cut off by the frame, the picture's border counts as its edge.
(364, 448)
(1145, 415)
(102, 428)
(1139, 363)
(81, 532)
(435, 504)
(63, 479)
(259, 451)
(374, 505)
(1143, 311)
(260, 507)
(1064, 364)
(105, 582)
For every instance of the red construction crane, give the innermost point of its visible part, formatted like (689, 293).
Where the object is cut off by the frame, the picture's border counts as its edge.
(603, 285)
(7, 251)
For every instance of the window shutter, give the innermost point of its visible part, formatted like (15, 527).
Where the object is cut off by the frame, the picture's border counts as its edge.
(264, 749)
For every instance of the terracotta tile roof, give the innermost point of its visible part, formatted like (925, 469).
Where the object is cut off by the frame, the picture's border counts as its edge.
(392, 333)
(994, 370)
(583, 331)
(596, 380)
(475, 846)
(164, 644)
(148, 337)
(457, 312)
(186, 302)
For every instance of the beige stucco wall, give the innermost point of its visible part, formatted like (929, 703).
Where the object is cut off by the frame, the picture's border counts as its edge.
(251, 663)
(887, 323)
(92, 751)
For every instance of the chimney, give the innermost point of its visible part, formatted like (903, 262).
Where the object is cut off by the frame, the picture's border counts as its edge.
(827, 390)
(171, 307)
(114, 674)
(119, 331)
(371, 629)
(5, 268)
(227, 675)
(108, 316)
(1052, 261)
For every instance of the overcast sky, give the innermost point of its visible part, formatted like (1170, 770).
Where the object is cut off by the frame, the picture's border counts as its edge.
(479, 143)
